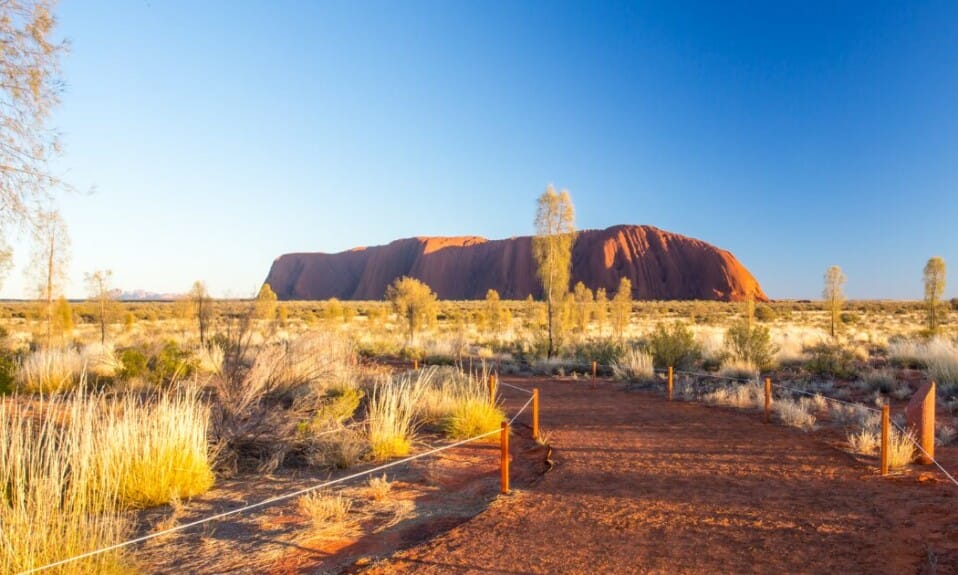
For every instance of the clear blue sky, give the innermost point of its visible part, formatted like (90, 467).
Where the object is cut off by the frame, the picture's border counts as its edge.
(221, 135)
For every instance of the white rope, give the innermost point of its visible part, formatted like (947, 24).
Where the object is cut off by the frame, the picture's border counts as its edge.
(509, 385)
(922, 449)
(523, 408)
(709, 375)
(802, 391)
(266, 502)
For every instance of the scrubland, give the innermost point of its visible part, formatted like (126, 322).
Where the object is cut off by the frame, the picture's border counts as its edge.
(152, 416)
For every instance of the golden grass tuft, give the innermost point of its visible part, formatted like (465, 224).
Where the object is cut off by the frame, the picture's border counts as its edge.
(901, 449)
(328, 513)
(473, 416)
(58, 503)
(158, 448)
(378, 488)
(391, 423)
(51, 371)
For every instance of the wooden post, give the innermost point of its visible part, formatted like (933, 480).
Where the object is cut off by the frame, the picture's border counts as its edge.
(670, 383)
(768, 399)
(504, 458)
(594, 366)
(415, 363)
(884, 439)
(535, 413)
(492, 389)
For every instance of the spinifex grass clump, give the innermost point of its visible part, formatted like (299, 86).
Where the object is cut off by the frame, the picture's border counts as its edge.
(473, 416)
(58, 502)
(392, 410)
(157, 448)
(901, 449)
(51, 371)
(633, 365)
(460, 403)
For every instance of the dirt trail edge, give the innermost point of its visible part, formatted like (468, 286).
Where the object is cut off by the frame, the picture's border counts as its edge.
(642, 485)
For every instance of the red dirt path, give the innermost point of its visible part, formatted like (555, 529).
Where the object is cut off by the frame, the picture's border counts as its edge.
(647, 486)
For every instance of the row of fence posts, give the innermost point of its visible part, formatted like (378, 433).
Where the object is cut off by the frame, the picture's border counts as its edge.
(885, 417)
(504, 432)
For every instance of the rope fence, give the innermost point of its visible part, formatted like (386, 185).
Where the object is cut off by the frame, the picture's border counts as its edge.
(504, 464)
(770, 384)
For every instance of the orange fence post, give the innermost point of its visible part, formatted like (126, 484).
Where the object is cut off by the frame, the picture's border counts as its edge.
(670, 383)
(504, 458)
(594, 366)
(415, 363)
(768, 398)
(535, 413)
(492, 388)
(884, 439)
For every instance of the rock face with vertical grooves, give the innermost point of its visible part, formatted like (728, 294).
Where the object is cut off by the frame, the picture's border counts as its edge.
(661, 265)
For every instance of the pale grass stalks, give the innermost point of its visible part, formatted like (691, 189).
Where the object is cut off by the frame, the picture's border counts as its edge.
(866, 441)
(101, 360)
(210, 359)
(328, 513)
(901, 449)
(940, 356)
(158, 449)
(739, 369)
(392, 411)
(59, 503)
(52, 370)
(461, 403)
(634, 365)
(744, 396)
(378, 488)
(794, 414)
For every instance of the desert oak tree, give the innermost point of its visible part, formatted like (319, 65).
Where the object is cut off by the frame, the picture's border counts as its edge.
(414, 302)
(834, 296)
(934, 279)
(201, 303)
(29, 66)
(51, 256)
(621, 307)
(552, 250)
(100, 291)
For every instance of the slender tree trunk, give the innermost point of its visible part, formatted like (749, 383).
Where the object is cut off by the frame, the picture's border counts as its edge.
(102, 321)
(49, 290)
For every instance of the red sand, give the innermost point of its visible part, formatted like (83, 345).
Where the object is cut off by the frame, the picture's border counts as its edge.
(647, 486)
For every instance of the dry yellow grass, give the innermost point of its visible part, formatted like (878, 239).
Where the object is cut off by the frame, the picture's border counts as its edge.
(59, 503)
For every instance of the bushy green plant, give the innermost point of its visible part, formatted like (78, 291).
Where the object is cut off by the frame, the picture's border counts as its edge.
(751, 344)
(134, 363)
(832, 360)
(172, 363)
(605, 351)
(8, 369)
(339, 405)
(673, 346)
(765, 313)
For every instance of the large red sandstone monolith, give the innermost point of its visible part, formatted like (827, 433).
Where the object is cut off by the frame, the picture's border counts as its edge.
(920, 415)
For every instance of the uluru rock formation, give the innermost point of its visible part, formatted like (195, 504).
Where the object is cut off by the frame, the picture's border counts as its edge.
(661, 265)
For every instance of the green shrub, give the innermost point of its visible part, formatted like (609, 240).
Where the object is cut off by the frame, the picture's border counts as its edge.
(172, 363)
(8, 369)
(673, 346)
(849, 318)
(765, 313)
(832, 360)
(752, 345)
(134, 364)
(604, 351)
(339, 405)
